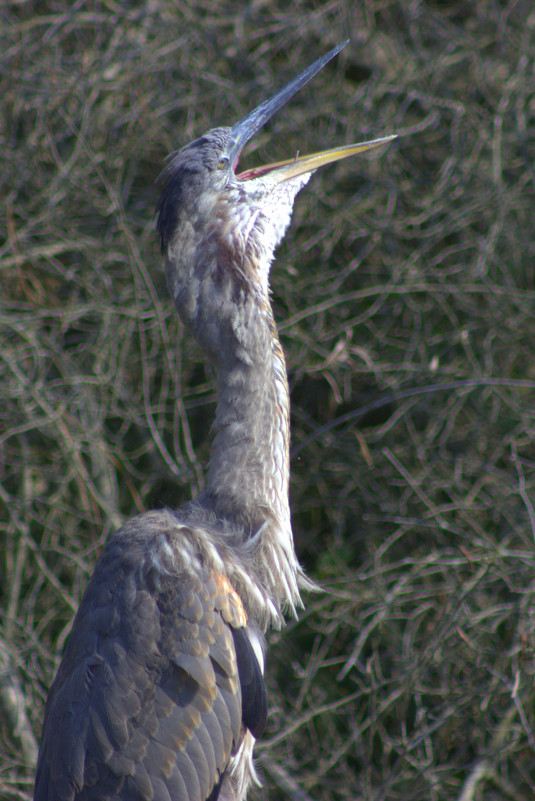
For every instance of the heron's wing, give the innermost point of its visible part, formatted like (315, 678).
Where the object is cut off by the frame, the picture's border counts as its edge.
(158, 680)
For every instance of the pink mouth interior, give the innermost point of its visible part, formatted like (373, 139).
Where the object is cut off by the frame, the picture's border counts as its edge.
(254, 172)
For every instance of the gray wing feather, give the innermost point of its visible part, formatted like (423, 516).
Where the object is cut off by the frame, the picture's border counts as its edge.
(147, 701)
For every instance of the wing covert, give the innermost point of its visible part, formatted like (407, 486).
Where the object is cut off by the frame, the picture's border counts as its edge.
(147, 702)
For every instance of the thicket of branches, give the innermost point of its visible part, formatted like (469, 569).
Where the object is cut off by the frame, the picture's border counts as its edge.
(405, 294)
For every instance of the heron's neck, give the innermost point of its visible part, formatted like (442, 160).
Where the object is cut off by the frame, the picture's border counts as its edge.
(227, 309)
(247, 477)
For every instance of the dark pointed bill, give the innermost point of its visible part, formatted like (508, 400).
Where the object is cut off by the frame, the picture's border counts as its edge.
(246, 128)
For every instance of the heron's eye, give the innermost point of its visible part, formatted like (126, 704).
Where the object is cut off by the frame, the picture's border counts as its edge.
(223, 163)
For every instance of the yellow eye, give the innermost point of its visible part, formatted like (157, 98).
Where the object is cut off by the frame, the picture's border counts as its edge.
(223, 163)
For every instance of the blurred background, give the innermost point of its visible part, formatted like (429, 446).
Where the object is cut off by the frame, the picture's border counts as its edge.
(405, 295)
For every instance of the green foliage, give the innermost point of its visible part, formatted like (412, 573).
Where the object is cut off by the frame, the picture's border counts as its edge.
(405, 294)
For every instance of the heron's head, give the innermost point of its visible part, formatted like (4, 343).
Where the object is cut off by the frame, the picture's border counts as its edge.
(211, 212)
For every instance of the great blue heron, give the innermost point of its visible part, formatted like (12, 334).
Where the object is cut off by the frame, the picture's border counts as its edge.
(160, 694)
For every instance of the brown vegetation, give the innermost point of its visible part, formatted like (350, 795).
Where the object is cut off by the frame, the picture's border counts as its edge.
(406, 297)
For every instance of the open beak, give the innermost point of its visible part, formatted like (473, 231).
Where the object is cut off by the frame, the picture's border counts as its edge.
(246, 128)
(290, 168)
